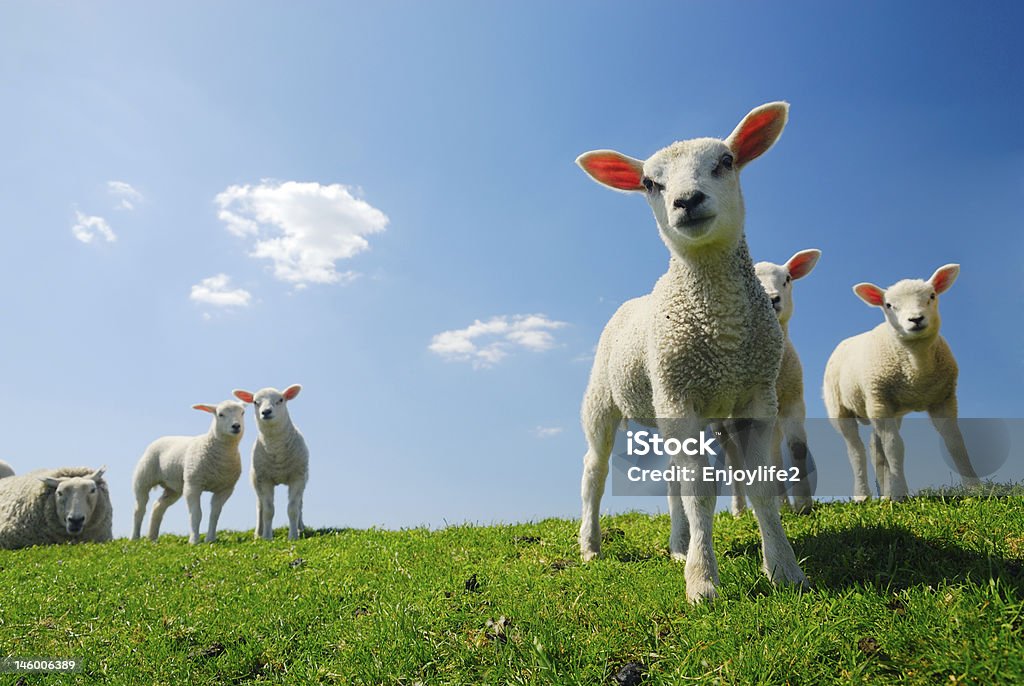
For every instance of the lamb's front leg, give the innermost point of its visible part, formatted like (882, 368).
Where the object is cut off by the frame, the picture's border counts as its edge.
(779, 560)
(888, 432)
(195, 511)
(944, 418)
(216, 505)
(698, 505)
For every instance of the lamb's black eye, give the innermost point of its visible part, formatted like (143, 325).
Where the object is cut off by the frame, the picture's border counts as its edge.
(649, 184)
(933, 296)
(726, 161)
(788, 279)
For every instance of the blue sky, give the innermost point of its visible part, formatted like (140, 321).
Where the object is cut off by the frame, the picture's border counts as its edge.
(388, 172)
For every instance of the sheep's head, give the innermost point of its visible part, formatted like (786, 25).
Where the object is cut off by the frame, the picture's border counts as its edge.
(693, 186)
(227, 417)
(271, 404)
(777, 280)
(911, 306)
(75, 498)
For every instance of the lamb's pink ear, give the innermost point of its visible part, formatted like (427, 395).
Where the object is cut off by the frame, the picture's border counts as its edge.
(944, 277)
(801, 264)
(613, 169)
(870, 293)
(205, 408)
(291, 391)
(757, 132)
(244, 396)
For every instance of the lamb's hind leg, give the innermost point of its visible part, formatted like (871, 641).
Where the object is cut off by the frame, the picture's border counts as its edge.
(779, 560)
(216, 504)
(733, 461)
(295, 490)
(599, 425)
(166, 499)
(796, 439)
(141, 500)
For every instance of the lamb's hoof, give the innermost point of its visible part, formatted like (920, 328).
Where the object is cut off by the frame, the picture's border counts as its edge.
(971, 482)
(678, 557)
(699, 591)
(861, 498)
(788, 574)
(803, 505)
(589, 555)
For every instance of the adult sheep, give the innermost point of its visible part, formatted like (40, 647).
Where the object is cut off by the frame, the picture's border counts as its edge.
(65, 505)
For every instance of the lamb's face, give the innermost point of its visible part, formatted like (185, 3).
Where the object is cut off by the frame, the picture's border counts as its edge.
(693, 188)
(271, 406)
(778, 284)
(75, 499)
(911, 307)
(229, 418)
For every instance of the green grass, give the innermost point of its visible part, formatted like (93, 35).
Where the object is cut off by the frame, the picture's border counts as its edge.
(923, 592)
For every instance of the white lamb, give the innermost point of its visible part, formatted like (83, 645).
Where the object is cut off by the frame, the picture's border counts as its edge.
(5, 470)
(189, 465)
(777, 281)
(279, 456)
(66, 505)
(705, 344)
(902, 365)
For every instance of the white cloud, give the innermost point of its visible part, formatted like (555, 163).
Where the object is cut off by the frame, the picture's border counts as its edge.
(215, 291)
(547, 431)
(484, 344)
(303, 228)
(86, 228)
(124, 192)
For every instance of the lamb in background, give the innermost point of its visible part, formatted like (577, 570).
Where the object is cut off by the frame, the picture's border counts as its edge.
(705, 343)
(777, 281)
(65, 505)
(902, 365)
(5, 470)
(189, 465)
(279, 456)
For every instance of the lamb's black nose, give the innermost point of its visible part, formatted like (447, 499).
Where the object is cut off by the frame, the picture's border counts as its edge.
(916, 320)
(76, 523)
(689, 202)
(236, 427)
(776, 299)
(266, 413)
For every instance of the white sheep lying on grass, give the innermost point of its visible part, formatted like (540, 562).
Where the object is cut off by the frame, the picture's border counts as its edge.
(705, 344)
(69, 504)
(777, 281)
(5, 470)
(902, 365)
(279, 456)
(189, 465)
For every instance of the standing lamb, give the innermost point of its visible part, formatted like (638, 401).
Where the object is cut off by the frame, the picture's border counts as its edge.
(279, 456)
(5, 470)
(189, 465)
(65, 505)
(704, 344)
(777, 281)
(902, 365)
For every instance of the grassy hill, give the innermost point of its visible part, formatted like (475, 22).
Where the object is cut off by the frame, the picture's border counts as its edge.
(927, 591)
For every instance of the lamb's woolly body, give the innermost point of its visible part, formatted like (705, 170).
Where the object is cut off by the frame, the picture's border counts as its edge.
(5, 470)
(28, 513)
(705, 343)
(881, 375)
(707, 332)
(188, 465)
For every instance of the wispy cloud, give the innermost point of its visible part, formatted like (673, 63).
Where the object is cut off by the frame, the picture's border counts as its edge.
(86, 228)
(216, 291)
(485, 343)
(303, 228)
(126, 195)
(547, 431)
